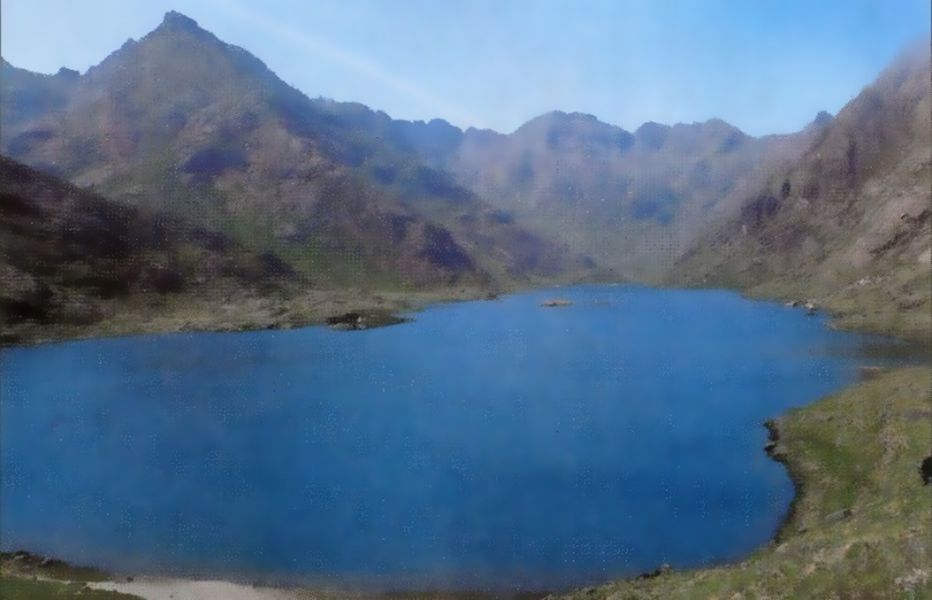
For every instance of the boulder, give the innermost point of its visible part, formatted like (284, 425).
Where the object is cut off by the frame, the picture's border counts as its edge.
(925, 470)
(838, 516)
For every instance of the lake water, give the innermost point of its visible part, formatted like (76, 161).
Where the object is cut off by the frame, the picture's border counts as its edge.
(486, 444)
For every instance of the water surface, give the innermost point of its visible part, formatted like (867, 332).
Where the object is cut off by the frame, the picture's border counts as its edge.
(486, 444)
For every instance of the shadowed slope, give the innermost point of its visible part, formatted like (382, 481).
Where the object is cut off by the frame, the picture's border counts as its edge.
(71, 257)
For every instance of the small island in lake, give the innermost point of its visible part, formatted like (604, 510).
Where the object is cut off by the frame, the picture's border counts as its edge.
(558, 303)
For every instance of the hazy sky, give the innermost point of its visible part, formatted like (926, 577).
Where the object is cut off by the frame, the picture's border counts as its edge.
(767, 66)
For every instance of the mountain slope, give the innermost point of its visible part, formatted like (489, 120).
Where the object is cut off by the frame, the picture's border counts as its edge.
(205, 130)
(25, 96)
(71, 258)
(849, 222)
(632, 201)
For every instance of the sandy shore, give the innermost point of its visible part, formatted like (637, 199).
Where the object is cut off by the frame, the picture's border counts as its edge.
(169, 588)
(188, 589)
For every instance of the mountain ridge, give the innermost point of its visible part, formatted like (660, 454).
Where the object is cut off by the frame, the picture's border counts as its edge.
(183, 119)
(346, 195)
(847, 223)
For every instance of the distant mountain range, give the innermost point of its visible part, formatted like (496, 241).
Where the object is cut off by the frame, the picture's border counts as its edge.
(183, 124)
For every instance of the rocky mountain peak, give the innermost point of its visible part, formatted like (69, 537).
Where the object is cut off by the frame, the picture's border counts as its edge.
(822, 119)
(176, 21)
(67, 73)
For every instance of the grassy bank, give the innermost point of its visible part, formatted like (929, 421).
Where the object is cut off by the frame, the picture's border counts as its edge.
(29, 577)
(897, 303)
(23, 589)
(862, 524)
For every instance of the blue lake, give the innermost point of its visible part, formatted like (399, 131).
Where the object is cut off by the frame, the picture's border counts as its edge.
(492, 444)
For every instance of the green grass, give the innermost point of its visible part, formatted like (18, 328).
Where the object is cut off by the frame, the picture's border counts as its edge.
(13, 588)
(858, 450)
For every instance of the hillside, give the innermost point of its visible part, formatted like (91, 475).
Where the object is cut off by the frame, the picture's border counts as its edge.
(72, 259)
(25, 95)
(182, 121)
(633, 202)
(848, 223)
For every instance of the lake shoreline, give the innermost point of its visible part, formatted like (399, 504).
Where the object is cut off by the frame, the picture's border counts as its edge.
(776, 452)
(794, 529)
(233, 311)
(403, 303)
(855, 456)
(249, 313)
(315, 307)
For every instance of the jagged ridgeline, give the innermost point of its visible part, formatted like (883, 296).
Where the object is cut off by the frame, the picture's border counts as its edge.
(184, 124)
(181, 122)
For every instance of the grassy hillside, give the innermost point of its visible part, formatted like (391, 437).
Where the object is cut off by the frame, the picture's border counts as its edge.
(74, 264)
(861, 526)
(71, 260)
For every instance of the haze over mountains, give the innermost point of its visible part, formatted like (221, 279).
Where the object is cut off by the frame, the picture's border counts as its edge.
(849, 221)
(343, 195)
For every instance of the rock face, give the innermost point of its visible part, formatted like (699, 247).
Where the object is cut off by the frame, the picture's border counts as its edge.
(848, 223)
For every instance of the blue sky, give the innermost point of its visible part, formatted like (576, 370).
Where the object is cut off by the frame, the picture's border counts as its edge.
(767, 66)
